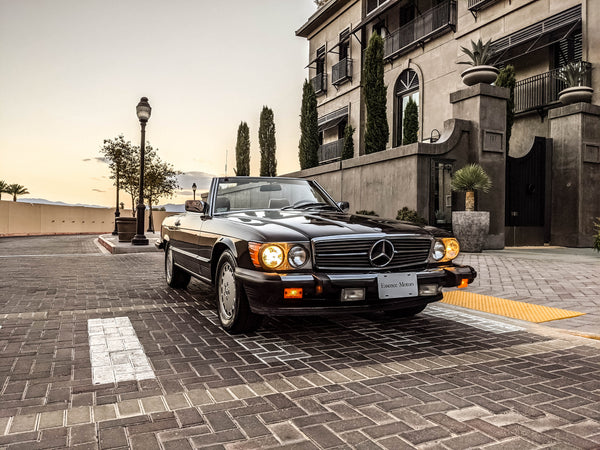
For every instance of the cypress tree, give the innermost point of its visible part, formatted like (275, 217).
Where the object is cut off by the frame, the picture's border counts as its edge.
(506, 78)
(309, 132)
(348, 150)
(377, 130)
(266, 141)
(242, 151)
(410, 123)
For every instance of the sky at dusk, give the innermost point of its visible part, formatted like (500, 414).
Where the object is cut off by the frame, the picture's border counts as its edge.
(72, 72)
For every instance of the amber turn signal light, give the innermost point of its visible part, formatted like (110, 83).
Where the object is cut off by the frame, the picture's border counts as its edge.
(292, 293)
(463, 283)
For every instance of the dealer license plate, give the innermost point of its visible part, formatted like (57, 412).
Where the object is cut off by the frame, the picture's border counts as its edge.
(397, 285)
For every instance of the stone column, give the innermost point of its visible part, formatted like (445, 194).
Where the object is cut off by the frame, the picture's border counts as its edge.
(575, 133)
(484, 106)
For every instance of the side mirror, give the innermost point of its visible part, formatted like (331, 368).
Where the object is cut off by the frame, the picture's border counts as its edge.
(344, 206)
(197, 206)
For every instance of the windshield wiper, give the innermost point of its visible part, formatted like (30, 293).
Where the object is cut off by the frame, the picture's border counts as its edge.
(309, 205)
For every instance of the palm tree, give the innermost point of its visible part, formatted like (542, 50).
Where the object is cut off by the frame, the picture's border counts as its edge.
(3, 188)
(16, 189)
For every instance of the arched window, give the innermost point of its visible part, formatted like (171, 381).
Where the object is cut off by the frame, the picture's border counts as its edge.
(407, 86)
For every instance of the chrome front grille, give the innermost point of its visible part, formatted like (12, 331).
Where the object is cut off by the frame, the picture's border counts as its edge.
(353, 254)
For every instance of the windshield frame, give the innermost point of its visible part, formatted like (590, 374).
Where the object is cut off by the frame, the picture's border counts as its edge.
(279, 180)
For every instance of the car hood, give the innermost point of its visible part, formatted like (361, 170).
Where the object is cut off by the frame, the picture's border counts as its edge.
(303, 225)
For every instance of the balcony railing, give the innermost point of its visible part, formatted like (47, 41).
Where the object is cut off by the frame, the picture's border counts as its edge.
(540, 92)
(319, 83)
(431, 23)
(330, 152)
(476, 5)
(341, 71)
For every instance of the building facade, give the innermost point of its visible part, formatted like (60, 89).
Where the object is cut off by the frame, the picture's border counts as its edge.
(422, 49)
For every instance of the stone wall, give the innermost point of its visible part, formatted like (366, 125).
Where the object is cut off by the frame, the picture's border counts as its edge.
(25, 219)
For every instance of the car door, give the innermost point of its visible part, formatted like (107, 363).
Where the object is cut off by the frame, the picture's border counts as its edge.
(185, 239)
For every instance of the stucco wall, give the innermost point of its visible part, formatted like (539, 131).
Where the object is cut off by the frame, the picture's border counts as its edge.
(22, 219)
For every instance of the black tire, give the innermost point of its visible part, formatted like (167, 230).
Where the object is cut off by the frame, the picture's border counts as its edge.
(232, 303)
(406, 312)
(176, 277)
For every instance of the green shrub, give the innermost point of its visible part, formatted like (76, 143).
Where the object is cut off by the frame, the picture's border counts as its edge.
(409, 215)
(364, 212)
(597, 236)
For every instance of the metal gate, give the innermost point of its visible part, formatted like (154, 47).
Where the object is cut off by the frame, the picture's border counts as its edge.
(527, 196)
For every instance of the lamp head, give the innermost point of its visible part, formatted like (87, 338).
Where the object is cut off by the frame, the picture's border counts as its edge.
(194, 187)
(143, 109)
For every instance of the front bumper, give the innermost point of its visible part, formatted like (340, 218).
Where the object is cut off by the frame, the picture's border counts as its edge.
(322, 292)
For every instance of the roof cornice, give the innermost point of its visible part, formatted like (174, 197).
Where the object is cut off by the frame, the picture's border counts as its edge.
(322, 14)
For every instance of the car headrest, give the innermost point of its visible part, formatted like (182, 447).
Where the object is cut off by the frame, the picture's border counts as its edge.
(276, 203)
(222, 204)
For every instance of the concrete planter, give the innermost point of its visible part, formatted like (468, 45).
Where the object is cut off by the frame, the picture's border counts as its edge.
(471, 228)
(479, 74)
(576, 94)
(126, 228)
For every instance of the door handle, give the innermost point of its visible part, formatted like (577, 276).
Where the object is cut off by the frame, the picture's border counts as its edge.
(177, 223)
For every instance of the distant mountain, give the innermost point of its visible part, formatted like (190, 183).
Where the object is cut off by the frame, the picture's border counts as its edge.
(170, 207)
(43, 201)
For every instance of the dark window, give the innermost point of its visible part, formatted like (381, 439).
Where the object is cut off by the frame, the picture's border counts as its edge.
(407, 13)
(379, 28)
(407, 86)
(568, 50)
(374, 4)
(344, 43)
(320, 62)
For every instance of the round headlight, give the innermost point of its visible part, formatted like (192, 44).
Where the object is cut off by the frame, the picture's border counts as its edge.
(272, 256)
(439, 250)
(297, 256)
(452, 248)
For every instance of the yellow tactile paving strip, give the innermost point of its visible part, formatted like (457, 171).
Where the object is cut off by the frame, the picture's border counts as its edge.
(507, 308)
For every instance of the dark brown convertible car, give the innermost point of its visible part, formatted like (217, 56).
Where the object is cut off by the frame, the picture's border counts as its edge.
(283, 246)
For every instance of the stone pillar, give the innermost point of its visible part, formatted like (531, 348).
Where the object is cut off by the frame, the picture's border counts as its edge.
(484, 106)
(575, 133)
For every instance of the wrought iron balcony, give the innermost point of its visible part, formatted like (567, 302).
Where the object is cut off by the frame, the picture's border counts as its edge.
(431, 23)
(319, 83)
(332, 151)
(341, 71)
(476, 5)
(540, 92)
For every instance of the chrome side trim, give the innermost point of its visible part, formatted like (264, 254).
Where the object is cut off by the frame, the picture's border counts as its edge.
(191, 255)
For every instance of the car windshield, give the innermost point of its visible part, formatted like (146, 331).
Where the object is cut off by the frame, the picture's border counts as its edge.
(247, 194)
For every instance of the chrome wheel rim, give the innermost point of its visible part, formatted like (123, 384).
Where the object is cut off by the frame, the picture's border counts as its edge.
(227, 292)
(169, 265)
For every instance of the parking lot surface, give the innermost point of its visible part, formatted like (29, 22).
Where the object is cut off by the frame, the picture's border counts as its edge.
(96, 351)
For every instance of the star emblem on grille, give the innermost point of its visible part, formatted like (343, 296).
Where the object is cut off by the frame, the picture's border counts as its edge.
(381, 253)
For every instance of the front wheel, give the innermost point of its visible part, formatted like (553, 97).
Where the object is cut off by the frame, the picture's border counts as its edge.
(175, 276)
(234, 310)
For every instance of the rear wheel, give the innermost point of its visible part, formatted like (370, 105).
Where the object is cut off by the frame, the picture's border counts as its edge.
(406, 312)
(234, 310)
(175, 276)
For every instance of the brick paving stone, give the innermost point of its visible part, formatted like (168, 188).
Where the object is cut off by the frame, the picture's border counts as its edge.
(51, 419)
(22, 424)
(425, 435)
(82, 434)
(146, 441)
(112, 438)
(467, 441)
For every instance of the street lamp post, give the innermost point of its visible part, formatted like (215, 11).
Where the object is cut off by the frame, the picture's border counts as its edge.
(143, 111)
(117, 212)
(194, 190)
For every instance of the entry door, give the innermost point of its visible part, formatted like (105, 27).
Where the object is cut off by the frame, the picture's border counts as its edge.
(441, 194)
(527, 196)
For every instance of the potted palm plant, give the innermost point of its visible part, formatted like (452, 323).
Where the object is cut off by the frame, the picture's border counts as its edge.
(480, 56)
(574, 76)
(471, 227)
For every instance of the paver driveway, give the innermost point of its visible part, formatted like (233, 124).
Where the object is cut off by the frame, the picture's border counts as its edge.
(446, 379)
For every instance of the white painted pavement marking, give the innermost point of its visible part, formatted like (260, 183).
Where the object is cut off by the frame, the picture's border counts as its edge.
(473, 321)
(116, 353)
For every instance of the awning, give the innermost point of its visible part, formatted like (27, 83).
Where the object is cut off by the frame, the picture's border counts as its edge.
(376, 13)
(332, 119)
(539, 35)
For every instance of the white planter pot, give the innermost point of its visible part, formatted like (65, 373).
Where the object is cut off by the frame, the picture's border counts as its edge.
(479, 74)
(471, 228)
(576, 94)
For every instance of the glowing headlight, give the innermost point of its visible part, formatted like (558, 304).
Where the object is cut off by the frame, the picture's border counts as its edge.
(272, 256)
(452, 248)
(439, 250)
(297, 256)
